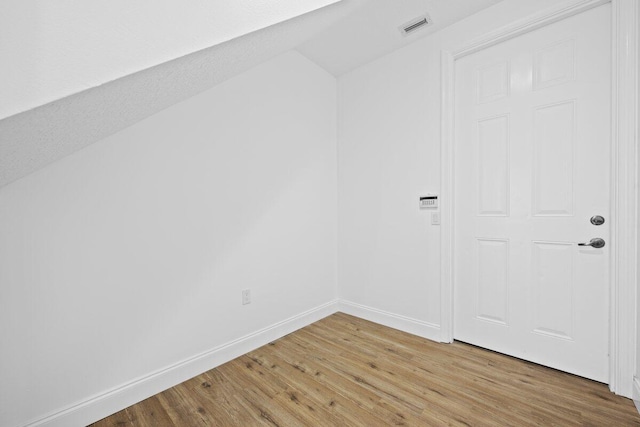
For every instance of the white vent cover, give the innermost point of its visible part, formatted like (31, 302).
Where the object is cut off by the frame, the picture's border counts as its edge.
(415, 25)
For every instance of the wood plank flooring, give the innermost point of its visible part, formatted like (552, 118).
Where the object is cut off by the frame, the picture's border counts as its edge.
(345, 371)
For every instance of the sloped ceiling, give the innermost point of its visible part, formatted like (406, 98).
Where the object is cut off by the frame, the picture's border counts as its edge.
(74, 86)
(372, 30)
(52, 49)
(40, 136)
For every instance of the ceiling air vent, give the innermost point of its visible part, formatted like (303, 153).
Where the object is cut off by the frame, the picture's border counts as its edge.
(414, 25)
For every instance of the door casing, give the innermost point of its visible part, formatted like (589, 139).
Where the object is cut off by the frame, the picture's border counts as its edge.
(624, 138)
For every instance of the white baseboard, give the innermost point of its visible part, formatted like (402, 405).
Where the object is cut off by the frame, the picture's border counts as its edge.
(402, 323)
(636, 393)
(97, 407)
(104, 404)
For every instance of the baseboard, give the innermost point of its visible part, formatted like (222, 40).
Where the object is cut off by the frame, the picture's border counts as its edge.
(107, 403)
(636, 393)
(99, 406)
(392, 320)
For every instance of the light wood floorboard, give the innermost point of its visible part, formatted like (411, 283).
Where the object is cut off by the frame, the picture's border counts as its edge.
(345, 371)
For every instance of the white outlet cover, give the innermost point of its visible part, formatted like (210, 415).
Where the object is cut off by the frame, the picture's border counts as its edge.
(246, 296)
(435, 218)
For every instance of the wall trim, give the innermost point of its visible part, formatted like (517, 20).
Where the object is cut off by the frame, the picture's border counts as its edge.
(111, 401)
(624, 140)
(562, 11)
(447, 108)
(623, 179)
(405, 324)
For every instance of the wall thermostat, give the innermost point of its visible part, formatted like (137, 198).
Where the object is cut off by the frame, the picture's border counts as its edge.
(429, 201)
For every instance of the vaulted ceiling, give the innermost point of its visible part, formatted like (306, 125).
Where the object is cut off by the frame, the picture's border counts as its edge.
(371, 30)
(52, 49)
(80, 71)
(64, 116)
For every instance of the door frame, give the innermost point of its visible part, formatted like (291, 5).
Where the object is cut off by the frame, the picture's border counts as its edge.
(624, 139)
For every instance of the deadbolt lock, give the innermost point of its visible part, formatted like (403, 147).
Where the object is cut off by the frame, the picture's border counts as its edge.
(597, 220)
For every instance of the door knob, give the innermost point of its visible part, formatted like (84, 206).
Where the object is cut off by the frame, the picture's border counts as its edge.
(595, 243)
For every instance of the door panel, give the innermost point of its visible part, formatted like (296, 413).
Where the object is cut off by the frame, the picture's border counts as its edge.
(532, 150)
(553, 140)
(493, 165)
(553, 288)
(493, 280)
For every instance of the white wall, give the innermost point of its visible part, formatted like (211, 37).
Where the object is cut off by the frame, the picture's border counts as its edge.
(129, 256)
(389, 154)
(50, 50)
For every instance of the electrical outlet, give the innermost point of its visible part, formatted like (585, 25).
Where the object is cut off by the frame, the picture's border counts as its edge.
(435, 218)
(246, 296)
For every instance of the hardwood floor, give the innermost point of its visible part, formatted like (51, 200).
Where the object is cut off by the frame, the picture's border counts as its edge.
(345, 371)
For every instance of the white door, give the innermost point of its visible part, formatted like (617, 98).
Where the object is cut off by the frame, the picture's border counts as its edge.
(532, 149)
